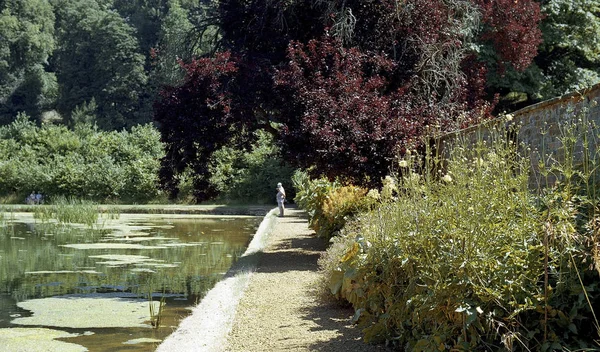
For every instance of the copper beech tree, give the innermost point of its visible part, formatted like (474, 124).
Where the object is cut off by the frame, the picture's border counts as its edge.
(346, 86)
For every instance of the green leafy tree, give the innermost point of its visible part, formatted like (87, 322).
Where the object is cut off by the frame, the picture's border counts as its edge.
(98, 58)
(146, 17)
(171, 47)
(570, 53)
(250, 174)
(568, 59)
(26, 42)
(84, 114)
(166, 36)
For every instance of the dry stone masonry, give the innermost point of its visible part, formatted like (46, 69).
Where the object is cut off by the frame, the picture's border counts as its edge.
(541, 129)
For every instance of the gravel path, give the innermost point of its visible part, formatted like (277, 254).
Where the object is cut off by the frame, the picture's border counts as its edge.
(269, 301)
(281, 309)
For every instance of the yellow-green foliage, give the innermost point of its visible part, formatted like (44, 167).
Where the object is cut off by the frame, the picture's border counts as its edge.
(473, 261)
(339, 204)
(329, 204)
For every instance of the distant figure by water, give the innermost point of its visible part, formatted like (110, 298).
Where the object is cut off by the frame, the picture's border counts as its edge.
(280, 199)
(34, 198)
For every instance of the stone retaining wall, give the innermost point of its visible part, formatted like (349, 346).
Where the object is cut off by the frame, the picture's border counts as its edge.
(539, 128)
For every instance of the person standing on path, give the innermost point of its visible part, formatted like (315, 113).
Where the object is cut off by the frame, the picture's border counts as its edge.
(280, 199)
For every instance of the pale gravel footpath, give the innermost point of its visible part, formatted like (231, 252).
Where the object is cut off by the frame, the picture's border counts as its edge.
(281, 310)
(269, 302)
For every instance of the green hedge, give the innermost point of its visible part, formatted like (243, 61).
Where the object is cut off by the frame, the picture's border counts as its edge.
(84, 163)
(251, 175)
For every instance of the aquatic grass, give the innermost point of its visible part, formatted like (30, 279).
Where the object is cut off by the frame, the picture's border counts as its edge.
(43, 213)
(2, 216)
(69, 211)
(110, 213)
(156, 313)
(6, 218)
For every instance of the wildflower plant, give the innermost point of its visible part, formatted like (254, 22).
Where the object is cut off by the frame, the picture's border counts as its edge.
(472, 259)
(569, 206)
(389, 188)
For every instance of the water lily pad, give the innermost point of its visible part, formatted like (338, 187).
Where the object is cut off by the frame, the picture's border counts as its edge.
(158, 265)
(119, 260)
(139, 239)
(181, 244)
(36, 339)
(122, 257)
(124, 233)
(143, 270)
(110, 246)
(141, 340)
(85, 312)
(43, 272)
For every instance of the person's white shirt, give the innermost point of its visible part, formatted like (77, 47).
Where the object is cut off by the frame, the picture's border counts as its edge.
(280, 199)
(280, 193)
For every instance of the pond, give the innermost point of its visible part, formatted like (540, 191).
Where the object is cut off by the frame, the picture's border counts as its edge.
(73, 288)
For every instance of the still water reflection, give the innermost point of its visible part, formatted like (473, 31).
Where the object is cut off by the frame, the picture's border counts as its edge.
(75, 279)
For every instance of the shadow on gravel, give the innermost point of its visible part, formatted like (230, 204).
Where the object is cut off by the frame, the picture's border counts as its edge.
(292, 254)
(297, 254)
(270, 262)
(330, 315)
(299, 250)
(302, 253)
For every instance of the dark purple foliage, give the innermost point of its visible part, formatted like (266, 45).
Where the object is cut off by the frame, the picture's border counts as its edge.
(194, 120)
(347, 85)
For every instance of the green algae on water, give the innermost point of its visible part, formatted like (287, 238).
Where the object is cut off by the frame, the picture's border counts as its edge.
(110, 246)
(141, 340)
(100, 312)
(37, 340)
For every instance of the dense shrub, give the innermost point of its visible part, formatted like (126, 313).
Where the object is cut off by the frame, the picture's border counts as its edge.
(474, 260)
(250, 176)
(329, 204)
(84, 162)
(102, 166)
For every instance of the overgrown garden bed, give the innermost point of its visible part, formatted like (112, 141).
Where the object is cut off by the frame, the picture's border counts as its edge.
(468, 257)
